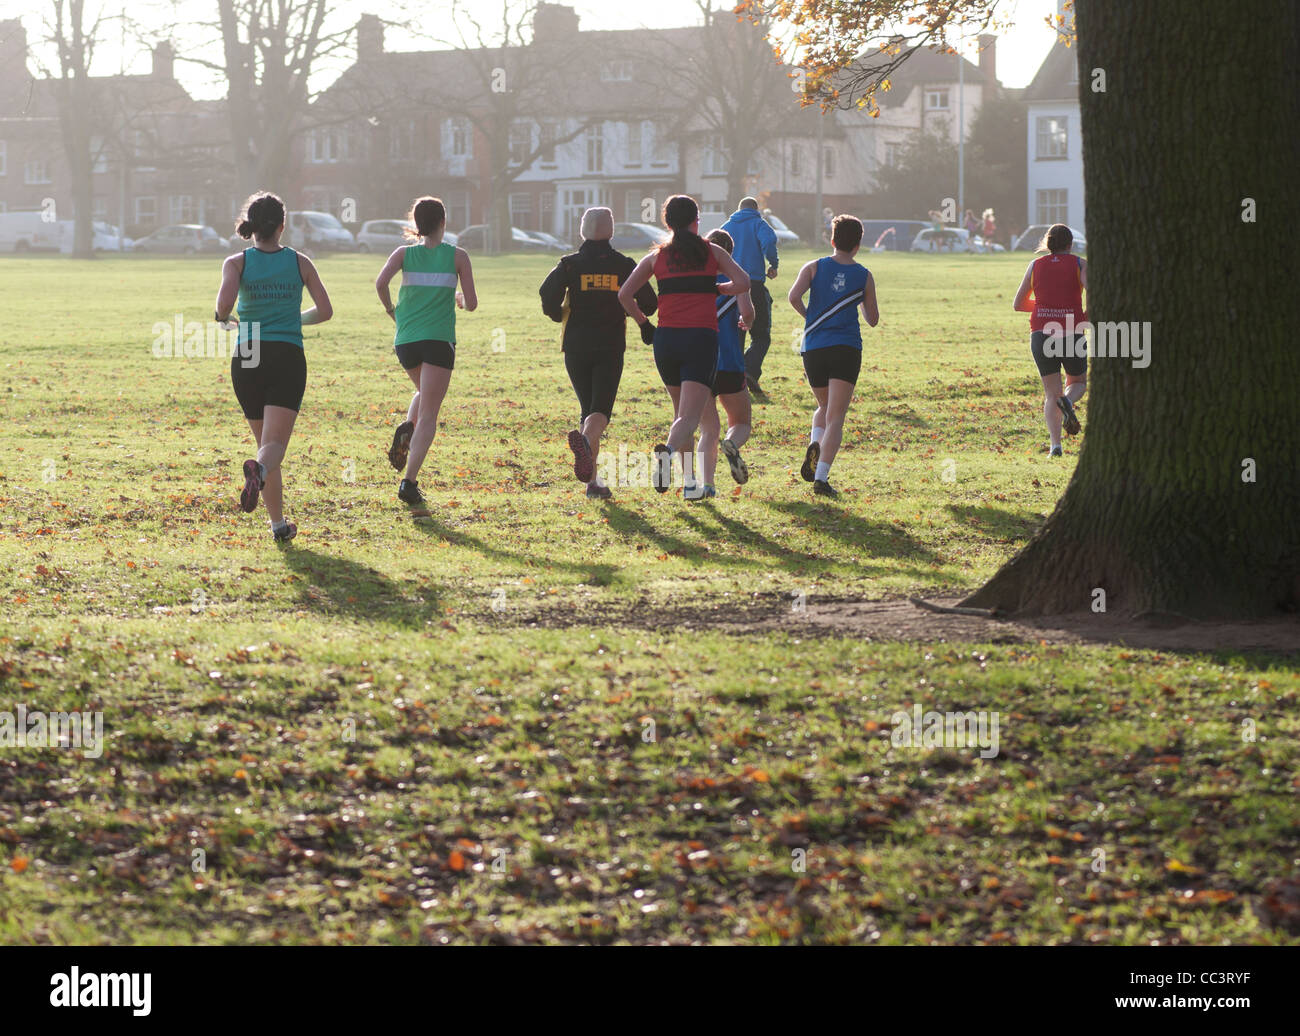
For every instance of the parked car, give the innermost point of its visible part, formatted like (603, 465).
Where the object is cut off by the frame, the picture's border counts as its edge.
(474, 239)
(387, 235)
(947, 239)
(552, 242)
(105, 237)
(318, 230)
(890, 235)
(29, 232)
(1028, 241)
(182, 238)
(636, 238)
(784, 235)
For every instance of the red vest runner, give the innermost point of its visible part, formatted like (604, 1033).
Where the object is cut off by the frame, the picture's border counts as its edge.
(687, 297)
(1056, 286)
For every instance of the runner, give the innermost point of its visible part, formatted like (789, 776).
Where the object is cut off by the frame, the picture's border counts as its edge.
(269, 371)
(832, 342)
(754, 249)
(425, 341)
(686, 342)
(1052, 294)
(735, 313)
(582, 294)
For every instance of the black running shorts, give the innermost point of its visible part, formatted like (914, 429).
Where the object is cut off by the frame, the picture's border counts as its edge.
(595, 375)
(411, 354)
(278, 379)
(726, 383)
(686, 354)
(833, 361)
(1075, 360)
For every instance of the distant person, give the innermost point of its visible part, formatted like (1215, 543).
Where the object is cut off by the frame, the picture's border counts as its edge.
(1052, 294)
(754, 249)
(425, 336)
(972, 224)
(990, 226)
(267, 281)
(735, 313)
(685, 267)
(582, 294)
(837, 288)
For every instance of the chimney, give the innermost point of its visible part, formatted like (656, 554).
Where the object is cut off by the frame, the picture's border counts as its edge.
(370, 37)
(163, 61)
(554, 22)
(989, 58)
(13, 45)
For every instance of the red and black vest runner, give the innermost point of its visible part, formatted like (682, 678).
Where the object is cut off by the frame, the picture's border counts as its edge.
(687, 296)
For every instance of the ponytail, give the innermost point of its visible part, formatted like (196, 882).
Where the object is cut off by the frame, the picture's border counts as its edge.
(262, 216)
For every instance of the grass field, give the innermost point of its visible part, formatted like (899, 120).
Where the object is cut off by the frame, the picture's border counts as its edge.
(523, 718)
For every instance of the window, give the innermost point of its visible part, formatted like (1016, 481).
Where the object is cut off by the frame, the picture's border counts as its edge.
(146, 211)
(4, 158)
(401, 140)
(595, 149)
(521, 142)
(181, 208)
(715, 162)
(632, 206)
(99, 208)
(1052, 206)
(936, 99)
(546, 133)
(456, 138)
(616, 72)
(1052, 136)
(828, 162)
(521, 211)
(893, 153)
(796, 162)
(36, 170)
(141, 150)
(327, 145)
(663, 144)
(98, 157)
(633, 143)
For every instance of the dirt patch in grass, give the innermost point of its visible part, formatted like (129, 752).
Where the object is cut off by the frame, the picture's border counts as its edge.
(901, 620)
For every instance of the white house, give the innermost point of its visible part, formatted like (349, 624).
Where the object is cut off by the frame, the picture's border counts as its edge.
(1054, 173)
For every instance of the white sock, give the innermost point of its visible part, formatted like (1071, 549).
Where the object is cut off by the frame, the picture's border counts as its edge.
(823, 471)
(817, 433)
(277, 526)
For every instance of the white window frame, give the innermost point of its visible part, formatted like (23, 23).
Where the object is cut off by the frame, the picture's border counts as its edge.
(893, 153)
(1055, 210)
(933, 95)
(515, 211)
(796, 161)
(1051, 138)
(180, 208)
(521, 132)
(616, 72)
(595, 141)
(459, 127)
(635, 143)
(715, 161)
(30, 174)
(135, 208)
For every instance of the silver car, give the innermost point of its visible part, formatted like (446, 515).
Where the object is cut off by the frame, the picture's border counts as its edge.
(388, 235)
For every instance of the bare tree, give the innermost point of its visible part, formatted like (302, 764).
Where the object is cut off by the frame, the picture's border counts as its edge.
(75, 44)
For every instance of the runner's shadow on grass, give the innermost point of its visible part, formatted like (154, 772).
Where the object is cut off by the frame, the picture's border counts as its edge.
(879, 539)
(337, 586)
(592, 573)
(998, 521)
(631, 525)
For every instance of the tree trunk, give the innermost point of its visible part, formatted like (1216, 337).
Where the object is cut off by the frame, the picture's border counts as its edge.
(1186, 498)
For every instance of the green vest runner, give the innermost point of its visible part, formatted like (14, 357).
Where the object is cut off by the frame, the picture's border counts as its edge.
(270, 296)
(426, 305)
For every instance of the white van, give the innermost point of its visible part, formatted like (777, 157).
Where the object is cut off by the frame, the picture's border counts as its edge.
(28, 232)
(105, 237)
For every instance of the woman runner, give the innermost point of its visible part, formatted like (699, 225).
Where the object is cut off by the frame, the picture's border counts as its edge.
(269, 371)
(1052, 294)
(735, 313)
(685, 269)
(425, 340)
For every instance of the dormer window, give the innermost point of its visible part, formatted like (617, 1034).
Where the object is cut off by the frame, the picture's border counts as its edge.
(936, 99)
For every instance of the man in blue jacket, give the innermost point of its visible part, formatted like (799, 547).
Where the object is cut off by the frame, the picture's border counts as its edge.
(755, 252)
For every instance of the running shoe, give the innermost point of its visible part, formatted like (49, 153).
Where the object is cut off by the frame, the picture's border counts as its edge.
(409, 492)
(1072, 426)
(695, 491)
(286, 534)
(401, 445)
(1054, 451)
(823, 488)
(584, 464)
(595, 491)
(252, 486)
(810, 458)
(661, 475)
(739, 469)
(709, 492)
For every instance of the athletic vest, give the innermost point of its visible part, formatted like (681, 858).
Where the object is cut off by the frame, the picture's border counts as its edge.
(730, 356)
(837, 291)
(686, 297)
(1056, 285)
(426, 305)
(270, 296)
